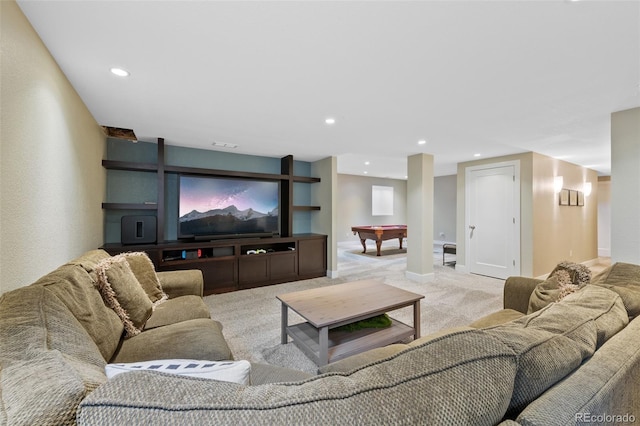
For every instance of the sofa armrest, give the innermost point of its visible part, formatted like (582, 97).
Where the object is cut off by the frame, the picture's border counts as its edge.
(182, 283)
(517, 291)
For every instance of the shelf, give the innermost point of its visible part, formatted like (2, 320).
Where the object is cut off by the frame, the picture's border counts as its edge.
(229, 173)
(343, 344)
(305, 179)
(129, 166)
(305, 208)
(129, 206)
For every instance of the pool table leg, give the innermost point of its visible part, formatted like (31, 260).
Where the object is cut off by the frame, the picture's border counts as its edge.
(378, 245)
(364, 245)
(400, 239)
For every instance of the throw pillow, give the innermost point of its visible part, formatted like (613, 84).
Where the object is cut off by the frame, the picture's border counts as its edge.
(566, 278)
(580, 274)
(145, 272)
(226, 371)
(550, 291)
(122, 292)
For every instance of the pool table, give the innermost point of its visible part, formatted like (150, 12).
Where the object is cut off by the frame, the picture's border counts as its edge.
(379, 233)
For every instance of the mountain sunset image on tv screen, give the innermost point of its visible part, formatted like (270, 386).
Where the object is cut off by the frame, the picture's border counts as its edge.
(213, 206)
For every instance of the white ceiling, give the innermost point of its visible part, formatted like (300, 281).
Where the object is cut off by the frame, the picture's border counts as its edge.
(470, 77)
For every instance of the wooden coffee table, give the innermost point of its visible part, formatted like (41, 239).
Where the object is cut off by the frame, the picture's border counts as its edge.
(329, 307)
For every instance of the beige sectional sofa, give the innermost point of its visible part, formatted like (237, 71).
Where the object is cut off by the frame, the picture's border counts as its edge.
(569, 362)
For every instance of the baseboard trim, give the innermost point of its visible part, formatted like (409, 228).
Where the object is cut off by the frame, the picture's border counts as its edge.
(332, 274)
(420, 278)
(461, 268)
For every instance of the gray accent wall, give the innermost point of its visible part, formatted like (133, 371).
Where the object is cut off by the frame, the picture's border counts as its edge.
(354, 205)
(444, 208)
(138, 187)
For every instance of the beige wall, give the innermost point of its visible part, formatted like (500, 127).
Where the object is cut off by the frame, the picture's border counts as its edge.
(604, 216)
(562, 232)
(51, 181)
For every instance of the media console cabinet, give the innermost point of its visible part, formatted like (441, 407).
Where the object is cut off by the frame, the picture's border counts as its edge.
(235, 264)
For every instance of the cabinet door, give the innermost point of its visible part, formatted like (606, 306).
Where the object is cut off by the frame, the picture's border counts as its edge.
(312, 257)
(253, 269)
(283, 265)
(219, 275)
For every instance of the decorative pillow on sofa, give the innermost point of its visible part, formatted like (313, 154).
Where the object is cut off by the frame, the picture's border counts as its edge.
(145, 272)
(551, 290)
(566, 278)
(226, 371)
(579, 273)
(123, 293)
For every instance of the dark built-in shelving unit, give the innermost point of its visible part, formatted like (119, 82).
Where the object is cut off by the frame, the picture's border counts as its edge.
(225, 264)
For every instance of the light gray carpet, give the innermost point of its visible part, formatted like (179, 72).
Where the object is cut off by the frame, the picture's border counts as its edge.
(251, 318)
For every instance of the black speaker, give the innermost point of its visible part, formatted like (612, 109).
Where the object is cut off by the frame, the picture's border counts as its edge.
(138, 229)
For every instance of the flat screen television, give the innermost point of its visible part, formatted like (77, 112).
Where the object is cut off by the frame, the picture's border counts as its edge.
(220, 207)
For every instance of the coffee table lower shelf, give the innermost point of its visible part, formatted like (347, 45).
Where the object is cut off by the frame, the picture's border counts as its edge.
(343, 344)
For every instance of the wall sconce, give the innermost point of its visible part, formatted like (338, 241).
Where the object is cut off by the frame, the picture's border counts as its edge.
(558, 183)
(587, 189)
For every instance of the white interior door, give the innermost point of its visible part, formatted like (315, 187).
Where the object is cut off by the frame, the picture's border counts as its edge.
(493, 219)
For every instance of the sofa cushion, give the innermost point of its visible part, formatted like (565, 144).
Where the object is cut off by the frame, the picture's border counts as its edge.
(262, 374)
(605, 385)
(89, 260)
(193, 339)
(496, 318)
(225, 371)
(123, 293)
(550, 344)
(605, 308)
(49, 362)
(145, 272)
(553, 289)
(624, 279)
(183, 308)
(186, 282)
(416, 386)
(73, 286)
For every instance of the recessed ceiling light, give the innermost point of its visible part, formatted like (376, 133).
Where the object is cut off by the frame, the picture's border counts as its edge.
(120, 72)
(477, 155)
(366, 163)
(224, 145)
(422, 142)
(330, 120)
(365, 172)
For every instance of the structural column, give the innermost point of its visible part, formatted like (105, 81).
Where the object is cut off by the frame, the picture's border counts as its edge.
(325, 194)
(420, 218)
(625, 186)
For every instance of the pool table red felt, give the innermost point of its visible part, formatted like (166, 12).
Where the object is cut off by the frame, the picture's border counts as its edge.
(379, 234)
